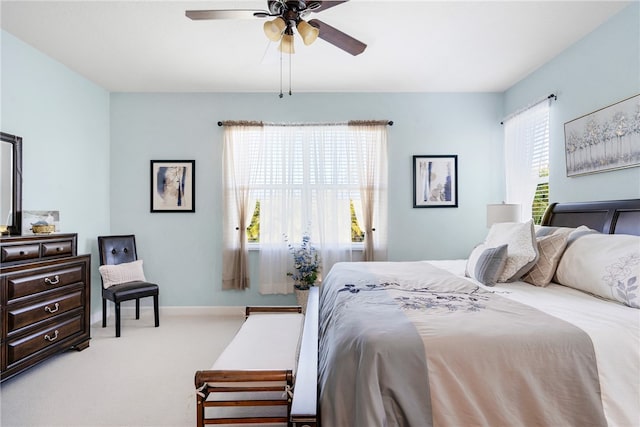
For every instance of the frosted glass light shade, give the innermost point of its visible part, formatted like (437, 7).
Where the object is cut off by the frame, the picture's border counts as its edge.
(308, 32)
(286, 44)
(273, 29)
(502, 212)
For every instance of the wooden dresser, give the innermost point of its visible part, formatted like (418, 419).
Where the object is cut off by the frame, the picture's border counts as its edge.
(45, 298)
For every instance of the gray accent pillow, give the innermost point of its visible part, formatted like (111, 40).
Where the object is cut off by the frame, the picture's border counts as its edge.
(547, 230)
(486, 264)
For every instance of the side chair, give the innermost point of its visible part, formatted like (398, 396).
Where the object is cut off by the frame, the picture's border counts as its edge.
(125, 282)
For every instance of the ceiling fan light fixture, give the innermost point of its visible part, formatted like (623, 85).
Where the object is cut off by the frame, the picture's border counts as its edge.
(286, 44)
(273, 29)
(308, 32)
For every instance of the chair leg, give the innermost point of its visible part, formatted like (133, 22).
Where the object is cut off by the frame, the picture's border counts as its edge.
(117, 319)
(104, 313)
(137, 308)
(155, 310)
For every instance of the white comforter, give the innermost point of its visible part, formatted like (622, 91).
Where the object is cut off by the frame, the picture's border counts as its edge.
(613, 328)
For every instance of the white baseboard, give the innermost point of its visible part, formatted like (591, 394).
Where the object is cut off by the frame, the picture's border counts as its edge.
(235, 311)
(202, 310)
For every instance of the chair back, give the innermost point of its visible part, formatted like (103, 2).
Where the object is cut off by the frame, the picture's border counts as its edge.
(117, 249)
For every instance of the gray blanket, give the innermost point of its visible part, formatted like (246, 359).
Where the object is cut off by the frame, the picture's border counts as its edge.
(408, 344)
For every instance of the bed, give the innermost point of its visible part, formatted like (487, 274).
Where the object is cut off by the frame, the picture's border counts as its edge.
(503, 338)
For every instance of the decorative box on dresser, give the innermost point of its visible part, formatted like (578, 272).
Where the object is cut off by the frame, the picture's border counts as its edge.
(45, 297)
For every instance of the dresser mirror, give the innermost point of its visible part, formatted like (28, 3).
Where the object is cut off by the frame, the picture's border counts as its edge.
(10, 184)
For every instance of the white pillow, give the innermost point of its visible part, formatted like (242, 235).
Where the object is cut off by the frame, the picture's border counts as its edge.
(121, 273)
(522, 249)
(607, 265)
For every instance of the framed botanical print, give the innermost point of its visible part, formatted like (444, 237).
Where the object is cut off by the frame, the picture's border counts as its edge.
(604, 140)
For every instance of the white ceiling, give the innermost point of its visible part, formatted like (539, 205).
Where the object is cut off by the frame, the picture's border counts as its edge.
(413, 46)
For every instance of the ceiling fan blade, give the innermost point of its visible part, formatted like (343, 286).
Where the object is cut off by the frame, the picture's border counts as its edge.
(338, 38)
(225, 14)
(327, 4)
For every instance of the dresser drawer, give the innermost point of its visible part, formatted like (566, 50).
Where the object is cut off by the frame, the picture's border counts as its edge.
(16, 250)
(61, 248)
(20, 252)
(46, 309)
(43, 280)
(21, 348)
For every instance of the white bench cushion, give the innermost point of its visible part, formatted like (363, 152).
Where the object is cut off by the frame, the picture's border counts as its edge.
(265, 341)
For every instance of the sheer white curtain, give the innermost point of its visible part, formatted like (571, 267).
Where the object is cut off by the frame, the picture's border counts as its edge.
(242, 150)
(282, 206)
(521, 133)
(371, 146)
(310, 180)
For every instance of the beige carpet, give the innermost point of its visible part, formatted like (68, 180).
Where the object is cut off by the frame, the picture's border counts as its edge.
(143, 378)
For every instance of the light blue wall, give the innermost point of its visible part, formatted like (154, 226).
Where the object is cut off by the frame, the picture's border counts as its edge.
(87, 154)
(597, 71)
(64, 122)
(183, 250)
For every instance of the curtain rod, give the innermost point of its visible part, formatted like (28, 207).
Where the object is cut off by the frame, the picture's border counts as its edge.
(534, 103)
(257, 123)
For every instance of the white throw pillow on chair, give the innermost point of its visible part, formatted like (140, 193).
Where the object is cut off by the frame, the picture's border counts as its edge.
(122, 273)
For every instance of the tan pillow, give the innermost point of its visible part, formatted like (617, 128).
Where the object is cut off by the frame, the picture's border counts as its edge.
(550, 249)
(122, 273)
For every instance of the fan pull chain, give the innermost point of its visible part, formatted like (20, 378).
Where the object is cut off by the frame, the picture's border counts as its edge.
(290, 61)
(281, 95)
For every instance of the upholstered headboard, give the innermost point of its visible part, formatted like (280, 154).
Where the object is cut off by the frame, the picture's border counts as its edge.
(610, 217)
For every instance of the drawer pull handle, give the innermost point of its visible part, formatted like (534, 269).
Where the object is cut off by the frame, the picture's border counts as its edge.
(59, 249)
(21, 253)
(50, 310)
(55, 281)
(51, 339)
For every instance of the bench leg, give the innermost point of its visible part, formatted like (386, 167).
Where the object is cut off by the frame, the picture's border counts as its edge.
(200, 410)
(137, 308)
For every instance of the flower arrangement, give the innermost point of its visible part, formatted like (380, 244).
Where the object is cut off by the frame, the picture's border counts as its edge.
(306, 262)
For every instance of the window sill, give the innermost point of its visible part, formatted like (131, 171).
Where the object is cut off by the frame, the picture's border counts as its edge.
(356, 246)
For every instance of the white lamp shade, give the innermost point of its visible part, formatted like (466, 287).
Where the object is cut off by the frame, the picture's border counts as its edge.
(308, 32)
(286, 44)
(273, 29)
(502, 212)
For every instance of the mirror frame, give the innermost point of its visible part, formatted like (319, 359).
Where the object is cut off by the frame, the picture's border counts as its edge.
(16, 142)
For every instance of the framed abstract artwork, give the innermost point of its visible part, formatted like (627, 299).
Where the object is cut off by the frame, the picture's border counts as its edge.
(173, 186)
(603, 140)
(435, 181)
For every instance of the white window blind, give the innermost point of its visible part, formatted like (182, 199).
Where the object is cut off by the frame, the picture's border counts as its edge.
(527, 160)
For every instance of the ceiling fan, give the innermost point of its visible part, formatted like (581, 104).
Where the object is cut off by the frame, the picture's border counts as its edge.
(290, 14)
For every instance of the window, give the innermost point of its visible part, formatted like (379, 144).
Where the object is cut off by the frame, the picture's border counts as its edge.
(541, 198)
(286, 180)
(540, 167)
(253, 231)
(527, 160)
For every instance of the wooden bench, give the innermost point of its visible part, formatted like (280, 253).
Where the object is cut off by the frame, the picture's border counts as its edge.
(253, 380)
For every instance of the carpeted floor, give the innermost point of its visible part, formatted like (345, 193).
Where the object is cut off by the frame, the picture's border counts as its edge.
(143, 378)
